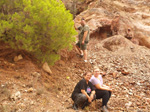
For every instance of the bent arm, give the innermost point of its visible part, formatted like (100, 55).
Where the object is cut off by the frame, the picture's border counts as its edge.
(88, 97)
(84, 92)
(75, 27)
(92, 94)
(85, 35)
(98, 86)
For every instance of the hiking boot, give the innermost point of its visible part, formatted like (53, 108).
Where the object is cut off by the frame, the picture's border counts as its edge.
(109, 108)
(75, 107)
(104, 109)
(81, 55)
(85, 104)
(85, 61)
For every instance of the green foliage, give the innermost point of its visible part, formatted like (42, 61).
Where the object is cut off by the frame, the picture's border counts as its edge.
(42, 27)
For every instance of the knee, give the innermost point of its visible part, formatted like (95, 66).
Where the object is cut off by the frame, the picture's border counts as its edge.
(83, 97)
(106, 92)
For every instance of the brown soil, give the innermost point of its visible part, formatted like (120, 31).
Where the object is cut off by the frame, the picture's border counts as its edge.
(42, 92)
(126, 67)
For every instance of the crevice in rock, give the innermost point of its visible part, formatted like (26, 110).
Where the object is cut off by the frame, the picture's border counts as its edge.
(102, 33)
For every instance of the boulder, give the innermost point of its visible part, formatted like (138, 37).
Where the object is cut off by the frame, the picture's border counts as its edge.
(46, 68)
(117, 42)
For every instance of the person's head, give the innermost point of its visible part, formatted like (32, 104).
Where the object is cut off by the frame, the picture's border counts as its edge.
(129, 29)
(96, 71)
(87, 76)
(83, 22)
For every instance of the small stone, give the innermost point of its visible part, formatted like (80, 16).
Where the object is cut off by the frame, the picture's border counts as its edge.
(114, 75)
(17, 58)
(36, 74)
(138, 103)
(142, 94)
(128, 104)
(139, 84)
(130, 93)
(16, 96)
(124, 72)
(30, 90)
(139, 111)
(2, 85)
(24, 85)
(22, 105)
(32, 103)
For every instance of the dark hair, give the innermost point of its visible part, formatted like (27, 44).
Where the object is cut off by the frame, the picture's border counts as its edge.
(86, 73)
(82, 19)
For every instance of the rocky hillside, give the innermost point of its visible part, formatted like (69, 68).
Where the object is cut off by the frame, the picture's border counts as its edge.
(25, 87)
(127, 71)
(134, 15)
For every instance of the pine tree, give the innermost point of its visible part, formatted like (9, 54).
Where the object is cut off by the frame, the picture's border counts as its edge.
(42, 27)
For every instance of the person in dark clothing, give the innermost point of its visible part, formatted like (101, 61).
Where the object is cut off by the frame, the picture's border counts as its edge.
(102, 91)
(83, 93)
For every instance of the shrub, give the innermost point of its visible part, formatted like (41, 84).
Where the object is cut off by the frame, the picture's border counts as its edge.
(41, 27)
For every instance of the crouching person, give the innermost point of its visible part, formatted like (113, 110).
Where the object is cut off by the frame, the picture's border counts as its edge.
(102, 91)
(83, 93)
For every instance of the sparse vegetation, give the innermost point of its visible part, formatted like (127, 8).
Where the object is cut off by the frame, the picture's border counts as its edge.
(125, 66)
(40, 27)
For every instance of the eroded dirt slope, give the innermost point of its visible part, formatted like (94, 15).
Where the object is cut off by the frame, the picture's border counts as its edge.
(25, 87)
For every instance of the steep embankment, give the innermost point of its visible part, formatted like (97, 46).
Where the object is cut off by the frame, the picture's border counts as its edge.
(133, 15)
(25, 87)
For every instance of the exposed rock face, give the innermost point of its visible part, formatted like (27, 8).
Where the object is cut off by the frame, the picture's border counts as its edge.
(100, 18)
(77, 6)
(116, 42)
(100, 22)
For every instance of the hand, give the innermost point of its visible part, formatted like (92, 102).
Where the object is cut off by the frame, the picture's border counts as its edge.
(82, 42)
(91, 97)
(107, 87)
(110, 89)
(89, 100)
